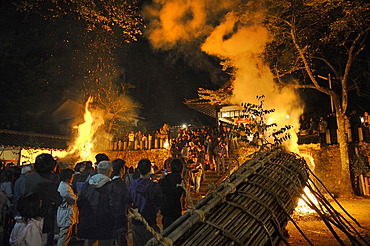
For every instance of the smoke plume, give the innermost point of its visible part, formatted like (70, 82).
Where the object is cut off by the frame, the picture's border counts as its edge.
(222, 30)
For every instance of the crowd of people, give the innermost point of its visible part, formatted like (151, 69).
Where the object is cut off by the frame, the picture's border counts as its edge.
(45, 206)
(91, 201)
(135, 140)
(201, 149)
(356, 127)
(42, 205)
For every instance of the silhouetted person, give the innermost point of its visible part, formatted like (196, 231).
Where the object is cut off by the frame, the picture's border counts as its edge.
(172, 195)
(120, 230)
(40, 183)
(144, 195)
(98, 207)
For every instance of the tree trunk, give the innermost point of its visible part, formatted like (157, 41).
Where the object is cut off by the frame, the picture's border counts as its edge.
(345, 179)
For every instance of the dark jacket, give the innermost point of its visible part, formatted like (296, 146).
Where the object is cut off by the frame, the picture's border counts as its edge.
(121, 193)
(78, 182)
(47, 190)
(20, 189)
(98, 206)
(145, 195)
(171, 195)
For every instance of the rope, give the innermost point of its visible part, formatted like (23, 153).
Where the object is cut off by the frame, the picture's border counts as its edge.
(188, 195)
(201, 214)
(135, 214)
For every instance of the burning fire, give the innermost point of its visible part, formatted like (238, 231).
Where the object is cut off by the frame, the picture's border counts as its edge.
(302, 207)
(83, 145)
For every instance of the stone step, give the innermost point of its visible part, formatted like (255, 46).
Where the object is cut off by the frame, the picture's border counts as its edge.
(211, 177)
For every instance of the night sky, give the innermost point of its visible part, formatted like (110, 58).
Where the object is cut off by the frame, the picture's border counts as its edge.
(162, 83)
(40, 68)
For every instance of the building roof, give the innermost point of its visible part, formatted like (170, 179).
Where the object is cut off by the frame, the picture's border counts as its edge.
(202, 106)
(10, 138)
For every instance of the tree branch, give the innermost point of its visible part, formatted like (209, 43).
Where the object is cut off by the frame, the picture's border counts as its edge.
(337, 75)
(351, 56)
(304, 59)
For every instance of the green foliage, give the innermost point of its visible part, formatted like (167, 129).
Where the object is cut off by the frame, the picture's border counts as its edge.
(104, 15)
(215, 97)
(359, 165)
(330, 33)
(264, 135)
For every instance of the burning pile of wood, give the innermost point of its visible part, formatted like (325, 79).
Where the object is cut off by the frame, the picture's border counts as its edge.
(251, 207)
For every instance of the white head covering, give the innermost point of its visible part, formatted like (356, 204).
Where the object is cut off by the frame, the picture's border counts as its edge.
(26, 168)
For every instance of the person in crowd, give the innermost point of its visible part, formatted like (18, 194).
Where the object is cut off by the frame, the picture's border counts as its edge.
(303, 125)
(7, 190)
(6, 184)
(131, 140)
(188, 174)
(175, 149)
(138, 137)
(120, 232)
(172, 195)
(210, 145)
(144, 195)
(3, 226)
(312, 129)
(101, 157)
(332, 126)
(29, 223)
(129, 176)
(20, 184)
(150, 141)
(201, 158)
(67, 212)
(40, 183)
(197, 176)
(355, 121)
(220, 153)
(79, 179)
(157, 137)
(88, 171)
(365, 127)
(98, 207)
(322, 127)
(144, 141)
(347, 128)
(185, 152)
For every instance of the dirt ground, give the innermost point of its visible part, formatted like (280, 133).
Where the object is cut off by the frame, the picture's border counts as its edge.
(319, 234)
(316, 230)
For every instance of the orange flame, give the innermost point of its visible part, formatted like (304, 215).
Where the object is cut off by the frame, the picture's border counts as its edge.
(84, 143)
(302, 207)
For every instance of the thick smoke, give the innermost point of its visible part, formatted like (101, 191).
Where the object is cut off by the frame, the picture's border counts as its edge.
(181, 26)
(174, 22)
(221, 31)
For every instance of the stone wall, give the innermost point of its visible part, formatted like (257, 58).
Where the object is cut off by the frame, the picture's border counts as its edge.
(157, 156)
(325, 161)
(328, 166)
